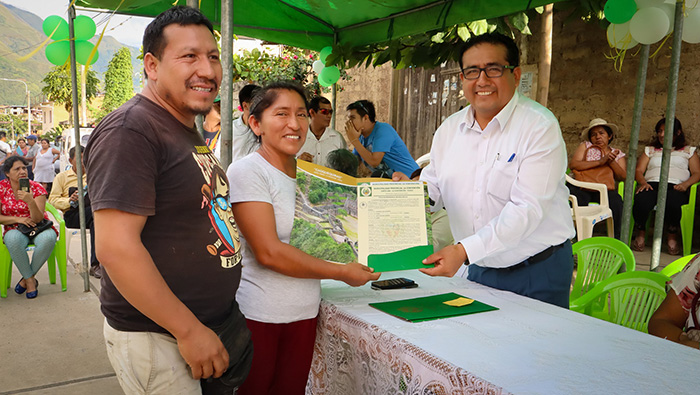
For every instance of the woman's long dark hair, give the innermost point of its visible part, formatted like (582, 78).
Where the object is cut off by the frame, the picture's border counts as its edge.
(678, 135)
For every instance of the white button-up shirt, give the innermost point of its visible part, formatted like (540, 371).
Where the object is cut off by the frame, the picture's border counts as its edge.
(330, 140)
(244, 140)
(503, 187)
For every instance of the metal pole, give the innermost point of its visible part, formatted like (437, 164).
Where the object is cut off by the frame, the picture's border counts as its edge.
(78, 154)
(634, 143)
(668, 136)
(334, 91)
(226, 90)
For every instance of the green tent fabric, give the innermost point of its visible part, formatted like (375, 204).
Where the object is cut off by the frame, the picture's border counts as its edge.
(314, 24)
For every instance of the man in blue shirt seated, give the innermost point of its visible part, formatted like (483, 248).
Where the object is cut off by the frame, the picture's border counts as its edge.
(377, 143)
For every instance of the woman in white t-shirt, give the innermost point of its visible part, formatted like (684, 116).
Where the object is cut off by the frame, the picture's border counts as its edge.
(280, 289)
(678, 317)
(683, 172)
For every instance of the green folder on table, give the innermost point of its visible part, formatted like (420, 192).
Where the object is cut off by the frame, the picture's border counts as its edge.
(430, 308)
(406, 259)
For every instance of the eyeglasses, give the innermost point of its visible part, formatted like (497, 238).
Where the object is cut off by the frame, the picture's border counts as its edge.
(325, 111)
(492, 71)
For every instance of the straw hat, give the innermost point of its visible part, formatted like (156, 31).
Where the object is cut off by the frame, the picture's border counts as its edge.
(599, 122)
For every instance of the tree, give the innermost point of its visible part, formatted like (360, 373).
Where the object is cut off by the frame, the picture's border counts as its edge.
(118, 82)
(57, 86)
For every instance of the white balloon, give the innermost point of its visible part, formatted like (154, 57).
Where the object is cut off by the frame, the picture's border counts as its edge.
(318, 66)
(648, 3)
(691, 26)
(649, 25)
(691, 5)
(619, 36)
(670, 10)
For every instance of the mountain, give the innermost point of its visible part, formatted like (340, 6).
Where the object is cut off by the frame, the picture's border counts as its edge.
(20, 34)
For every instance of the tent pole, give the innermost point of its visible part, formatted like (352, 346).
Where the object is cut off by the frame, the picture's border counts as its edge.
(226, 90)
(334, 90)
(634, 144)
(668, 137)
(78, 154)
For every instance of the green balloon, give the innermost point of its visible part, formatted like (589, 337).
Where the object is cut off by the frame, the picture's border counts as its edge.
(58, 52)
(82, 52)
(323, 82)
(619, 11)
(50, 24)
(330, 74)
(85, 27)
(327, 51)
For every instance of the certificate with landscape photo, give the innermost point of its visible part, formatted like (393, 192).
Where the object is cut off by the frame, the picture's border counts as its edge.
(343, 219)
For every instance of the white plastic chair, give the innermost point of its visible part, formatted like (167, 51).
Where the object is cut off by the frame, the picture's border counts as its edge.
(75, 232)
(586, 217)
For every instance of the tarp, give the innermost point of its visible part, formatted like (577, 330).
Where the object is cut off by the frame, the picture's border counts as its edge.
(314, 24)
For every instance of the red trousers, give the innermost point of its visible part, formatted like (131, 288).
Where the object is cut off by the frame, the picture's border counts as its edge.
(282, 356)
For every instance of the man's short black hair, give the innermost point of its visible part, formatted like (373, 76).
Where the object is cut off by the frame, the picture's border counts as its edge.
(315, 103)
(3, 134)
(153, 39)
(245, 95)
(363, 107)
(512, 51)
(71, 152)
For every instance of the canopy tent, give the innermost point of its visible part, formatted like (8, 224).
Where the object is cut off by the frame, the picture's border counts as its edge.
(314, 24)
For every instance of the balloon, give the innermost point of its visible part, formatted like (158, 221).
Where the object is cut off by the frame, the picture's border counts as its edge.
(649, 25)
(691, 5)
(84, 27)
(619, 11)
(82, 52)
(691, 27)
(50, 24)
(670, 11)
(323, 82)
(649, 3)
(318, 66)
(330, 74)
(58, 52)
(324, 53)
(619, 36)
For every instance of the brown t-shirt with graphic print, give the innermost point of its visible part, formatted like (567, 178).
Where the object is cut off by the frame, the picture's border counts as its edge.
(142, 160)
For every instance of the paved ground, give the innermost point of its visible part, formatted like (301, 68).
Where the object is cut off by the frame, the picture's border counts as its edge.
(54, 345)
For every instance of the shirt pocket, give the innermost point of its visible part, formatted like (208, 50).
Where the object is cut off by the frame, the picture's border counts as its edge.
(501, 180)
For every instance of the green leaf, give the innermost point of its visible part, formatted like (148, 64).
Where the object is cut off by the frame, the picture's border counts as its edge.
(437, 38)
(463, 32)
(519, 21)
(479, 27)
(539, 9)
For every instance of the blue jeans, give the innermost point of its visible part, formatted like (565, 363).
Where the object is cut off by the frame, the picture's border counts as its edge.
(17, 243)
(548, 280)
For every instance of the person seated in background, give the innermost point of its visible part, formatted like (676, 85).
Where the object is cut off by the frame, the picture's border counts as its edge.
(595, 161)
(377, 143)
(244, 140)
(321, 139)
(683, 172)
(21, 207)
(212, 128)
(343, 161)
(677, 318)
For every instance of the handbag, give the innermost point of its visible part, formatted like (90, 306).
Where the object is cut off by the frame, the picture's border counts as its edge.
(31, 231)
(599, 175)
(237, 340)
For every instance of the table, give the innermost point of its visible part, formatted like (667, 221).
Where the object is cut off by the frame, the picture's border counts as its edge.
(526, 347)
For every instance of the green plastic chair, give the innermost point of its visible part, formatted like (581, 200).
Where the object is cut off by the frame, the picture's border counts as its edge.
(57, 258)
(628, 299)
(687, 217)
(599, 258)
(676, 266)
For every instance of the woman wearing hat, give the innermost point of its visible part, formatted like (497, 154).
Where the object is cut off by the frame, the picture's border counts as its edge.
(595, 161)
(683, 172)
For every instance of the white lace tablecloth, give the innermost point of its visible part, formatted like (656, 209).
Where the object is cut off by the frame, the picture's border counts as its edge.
(526, 347)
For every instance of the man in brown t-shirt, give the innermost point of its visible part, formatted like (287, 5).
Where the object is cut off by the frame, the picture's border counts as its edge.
(166, 236)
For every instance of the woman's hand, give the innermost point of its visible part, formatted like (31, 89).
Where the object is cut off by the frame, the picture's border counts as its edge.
(682, 187)
(685, 340)
(25, 220)
(356, 274)
(612, 155)
(26, 197)
(644, 187)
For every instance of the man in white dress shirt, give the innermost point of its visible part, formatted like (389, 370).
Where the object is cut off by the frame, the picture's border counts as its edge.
(321, 139)
(244, 140)
(498, 169)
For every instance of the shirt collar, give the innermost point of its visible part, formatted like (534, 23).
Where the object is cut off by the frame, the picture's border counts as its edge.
(502, 117)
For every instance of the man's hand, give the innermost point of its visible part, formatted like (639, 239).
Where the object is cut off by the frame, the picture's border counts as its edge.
(398, 176)
(447, 261)
(74, 197)
(352, 133)
(306, 157)
(356, 274)
(203, 351)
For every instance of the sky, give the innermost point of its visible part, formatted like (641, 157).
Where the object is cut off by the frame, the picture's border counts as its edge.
(126, 29)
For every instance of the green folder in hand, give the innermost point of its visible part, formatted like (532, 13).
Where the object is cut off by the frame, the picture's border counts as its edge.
(430, 307)
(406, 259)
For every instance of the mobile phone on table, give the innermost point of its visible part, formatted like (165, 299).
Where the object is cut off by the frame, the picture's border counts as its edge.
(394, 283)
(24, 184)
